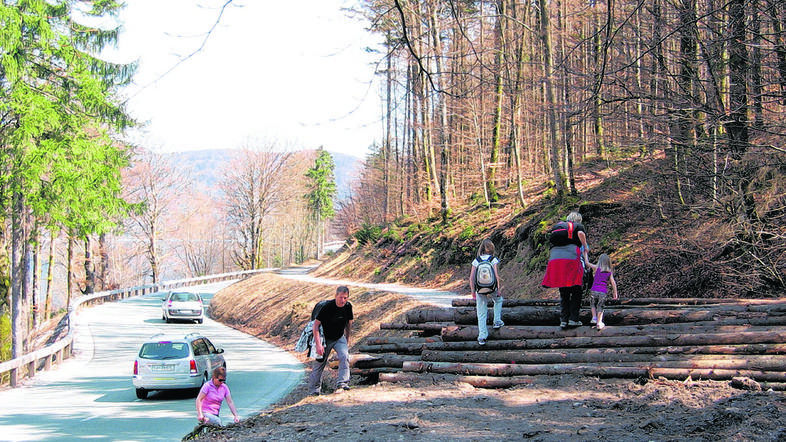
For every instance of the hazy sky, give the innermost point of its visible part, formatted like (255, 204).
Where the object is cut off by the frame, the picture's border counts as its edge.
(295, 73)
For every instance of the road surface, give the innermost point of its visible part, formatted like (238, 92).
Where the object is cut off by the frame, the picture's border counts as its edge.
(91, 397)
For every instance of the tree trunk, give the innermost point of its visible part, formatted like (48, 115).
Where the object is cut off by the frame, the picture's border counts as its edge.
(633, 371)
(90, 272)
(69, 269)
(49, 276)
(599, 341)
(551, 101)
(470, 332)
(475, 381)
(20, 274)
(615, 356)
(496, 135)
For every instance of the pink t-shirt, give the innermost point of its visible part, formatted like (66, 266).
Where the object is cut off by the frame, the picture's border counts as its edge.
(213, 397)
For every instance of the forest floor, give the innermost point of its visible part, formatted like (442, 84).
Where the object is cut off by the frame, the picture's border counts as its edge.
(551, 408)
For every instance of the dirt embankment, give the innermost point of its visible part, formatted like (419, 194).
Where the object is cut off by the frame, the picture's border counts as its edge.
(439, 408)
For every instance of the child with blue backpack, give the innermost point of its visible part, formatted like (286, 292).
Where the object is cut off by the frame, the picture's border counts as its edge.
(484, 283)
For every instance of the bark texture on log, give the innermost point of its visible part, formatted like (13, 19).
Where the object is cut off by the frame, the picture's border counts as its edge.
(599, 370)
(527, 315)
(475, 381)
(517, 332)
(657, 302)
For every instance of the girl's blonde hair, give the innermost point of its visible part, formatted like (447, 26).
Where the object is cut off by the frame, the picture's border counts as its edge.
(486, 248)
(604, 264)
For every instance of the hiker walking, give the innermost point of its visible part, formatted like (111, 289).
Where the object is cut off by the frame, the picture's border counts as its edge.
(335, 319)
(484, 283)
(565, 269)
(604, 277)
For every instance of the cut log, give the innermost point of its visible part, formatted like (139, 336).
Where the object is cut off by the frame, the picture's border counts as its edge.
(382, 340)
(373, 372)
(467, 302)
(759, 362)
(425, 326)
(430, 314)
(598, 370)
(475, 381)
(470, 333)
(771, 337)
(385, 360)
(632, 316)
(409, 349)
(775, 386)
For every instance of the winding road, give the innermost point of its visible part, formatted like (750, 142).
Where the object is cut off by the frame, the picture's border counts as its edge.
(91, 396)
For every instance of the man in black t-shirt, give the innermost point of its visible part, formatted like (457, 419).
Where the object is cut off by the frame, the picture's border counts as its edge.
(335, 317)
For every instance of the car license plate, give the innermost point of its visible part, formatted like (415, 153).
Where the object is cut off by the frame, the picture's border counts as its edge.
(163, 368)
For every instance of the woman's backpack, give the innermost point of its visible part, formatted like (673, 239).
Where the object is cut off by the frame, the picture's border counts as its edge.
(485, 277)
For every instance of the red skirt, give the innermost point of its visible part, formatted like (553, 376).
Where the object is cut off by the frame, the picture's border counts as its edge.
(564, 268)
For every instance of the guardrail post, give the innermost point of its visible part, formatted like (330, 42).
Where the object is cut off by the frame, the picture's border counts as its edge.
(13, 377)
(31, 369)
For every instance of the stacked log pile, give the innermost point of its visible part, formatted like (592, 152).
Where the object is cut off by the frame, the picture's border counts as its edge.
(717, 339)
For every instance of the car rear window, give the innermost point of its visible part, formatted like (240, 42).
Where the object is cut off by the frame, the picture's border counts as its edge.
(164, 350)
(184, 297)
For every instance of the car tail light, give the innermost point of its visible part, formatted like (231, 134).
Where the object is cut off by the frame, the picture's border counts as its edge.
(136, 367)
(193, 366)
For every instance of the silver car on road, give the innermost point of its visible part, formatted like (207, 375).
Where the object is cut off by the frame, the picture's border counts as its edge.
(167, 362)
(182, 305)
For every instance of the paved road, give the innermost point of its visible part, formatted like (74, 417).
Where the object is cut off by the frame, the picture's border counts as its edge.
(91, 396)
(428, 296)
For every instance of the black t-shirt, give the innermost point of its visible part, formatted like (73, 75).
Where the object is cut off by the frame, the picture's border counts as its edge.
(334, 319)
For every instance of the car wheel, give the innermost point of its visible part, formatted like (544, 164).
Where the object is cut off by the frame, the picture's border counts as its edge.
(199, 321)
(141, 393)
(168, 320)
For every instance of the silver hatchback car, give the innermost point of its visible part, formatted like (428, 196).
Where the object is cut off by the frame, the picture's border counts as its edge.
(167, 362)
(182, 305)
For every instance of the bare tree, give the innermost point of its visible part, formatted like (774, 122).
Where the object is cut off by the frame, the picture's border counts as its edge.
(156, 188)
(253, 186)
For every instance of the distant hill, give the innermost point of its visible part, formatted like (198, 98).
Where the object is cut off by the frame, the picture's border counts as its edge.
(206, 166)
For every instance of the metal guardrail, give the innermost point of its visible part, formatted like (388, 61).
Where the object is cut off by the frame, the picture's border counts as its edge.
(28, 365)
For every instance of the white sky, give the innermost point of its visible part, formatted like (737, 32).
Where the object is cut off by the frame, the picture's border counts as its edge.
(291, 72)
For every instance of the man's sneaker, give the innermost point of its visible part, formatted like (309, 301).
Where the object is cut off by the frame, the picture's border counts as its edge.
(575, 323)
(563, 325)
(345, 387)
(498, 324)
(594, 321)
(481, 341)
(600, 326)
